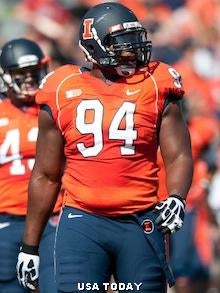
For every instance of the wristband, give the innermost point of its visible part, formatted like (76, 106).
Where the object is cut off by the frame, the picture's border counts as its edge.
(178, 197)
(29, 249)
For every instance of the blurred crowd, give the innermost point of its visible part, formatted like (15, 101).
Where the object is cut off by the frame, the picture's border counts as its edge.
(185, 34)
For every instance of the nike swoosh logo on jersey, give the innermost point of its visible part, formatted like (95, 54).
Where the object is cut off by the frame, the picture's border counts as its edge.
(4, 225)
(71, 216)
(131, 93)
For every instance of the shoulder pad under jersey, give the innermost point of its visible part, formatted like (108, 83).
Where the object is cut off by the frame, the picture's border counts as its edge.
(51, 84)
(52, 81)
(167, 80)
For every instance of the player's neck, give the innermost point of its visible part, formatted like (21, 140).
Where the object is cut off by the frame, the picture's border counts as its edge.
(108, 76)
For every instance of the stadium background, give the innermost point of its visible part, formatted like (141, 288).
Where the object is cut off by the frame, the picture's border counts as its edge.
(185, 34)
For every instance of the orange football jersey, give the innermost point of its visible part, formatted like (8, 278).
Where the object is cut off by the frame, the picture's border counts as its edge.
(18, 135)
(110, 133)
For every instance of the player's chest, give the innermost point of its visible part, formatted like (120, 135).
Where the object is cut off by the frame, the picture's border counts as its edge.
(111, 118)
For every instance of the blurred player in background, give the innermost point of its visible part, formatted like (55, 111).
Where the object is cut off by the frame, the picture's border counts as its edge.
(108, 122)
(23, 65)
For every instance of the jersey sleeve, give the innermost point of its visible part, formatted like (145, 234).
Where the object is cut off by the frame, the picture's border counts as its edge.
(169, 82)
(49, 89)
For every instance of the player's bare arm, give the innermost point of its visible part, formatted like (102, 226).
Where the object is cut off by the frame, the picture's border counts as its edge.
(45, 180)
(176, 150)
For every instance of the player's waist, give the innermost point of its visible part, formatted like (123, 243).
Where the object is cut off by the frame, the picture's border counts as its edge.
(112, 204)
(134, 215)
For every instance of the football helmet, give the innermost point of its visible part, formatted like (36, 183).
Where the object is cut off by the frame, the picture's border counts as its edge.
(22, 66)
(108, 31)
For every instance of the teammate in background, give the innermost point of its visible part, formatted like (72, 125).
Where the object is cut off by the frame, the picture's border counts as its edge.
(23, 65)
(108, 122)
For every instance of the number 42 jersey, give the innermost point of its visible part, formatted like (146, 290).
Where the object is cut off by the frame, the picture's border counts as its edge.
(111, 135)
(18, 135)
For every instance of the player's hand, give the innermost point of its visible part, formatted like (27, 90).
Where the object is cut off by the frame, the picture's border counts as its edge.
(171, 214)
(28, 266)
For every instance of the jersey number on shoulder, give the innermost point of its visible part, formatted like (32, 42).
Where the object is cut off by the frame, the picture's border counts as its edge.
(176, 76)
(128, 134)
(11, 144)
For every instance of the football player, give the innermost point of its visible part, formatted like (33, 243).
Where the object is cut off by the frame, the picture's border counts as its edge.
(108, 122)
(23, 65)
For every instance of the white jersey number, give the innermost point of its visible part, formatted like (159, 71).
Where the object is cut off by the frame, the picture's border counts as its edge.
(176, 76)
(128, 134)
(11, 144)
